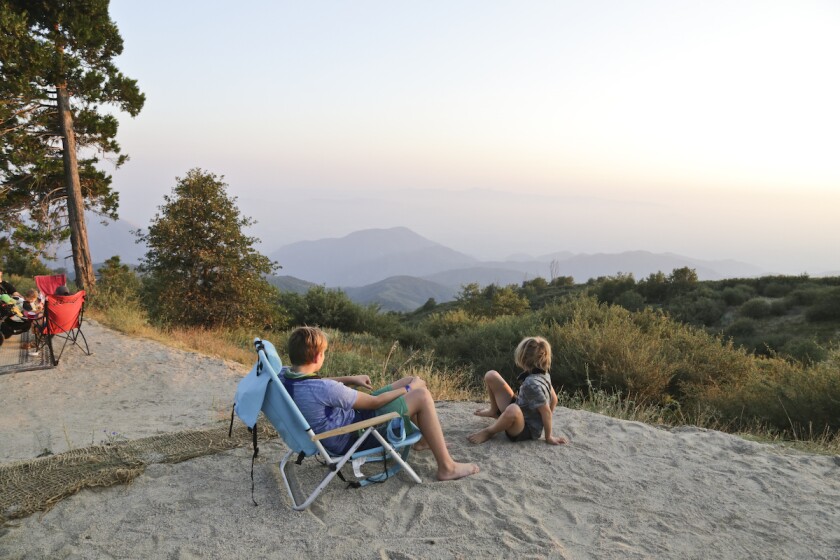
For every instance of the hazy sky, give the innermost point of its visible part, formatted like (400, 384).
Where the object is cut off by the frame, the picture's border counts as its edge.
(709, 129)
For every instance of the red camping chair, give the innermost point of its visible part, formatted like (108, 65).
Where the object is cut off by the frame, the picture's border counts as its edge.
(63, 317)
(47, 285)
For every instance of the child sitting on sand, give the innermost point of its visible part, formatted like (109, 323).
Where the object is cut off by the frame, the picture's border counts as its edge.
(526, 415)
(328, 403)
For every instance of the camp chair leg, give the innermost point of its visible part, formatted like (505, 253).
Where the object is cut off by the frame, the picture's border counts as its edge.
(398, 457)
(55, 358)
(76, 334)
(333, 467)
(52, 350)
(393, 470)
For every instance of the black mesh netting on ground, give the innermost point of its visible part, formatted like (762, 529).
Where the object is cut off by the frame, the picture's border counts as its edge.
(27, 487)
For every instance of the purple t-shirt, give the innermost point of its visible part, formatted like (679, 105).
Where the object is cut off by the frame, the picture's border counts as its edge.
(326, 405)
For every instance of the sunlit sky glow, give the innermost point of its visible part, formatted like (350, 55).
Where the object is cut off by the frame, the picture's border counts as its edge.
(708, 129)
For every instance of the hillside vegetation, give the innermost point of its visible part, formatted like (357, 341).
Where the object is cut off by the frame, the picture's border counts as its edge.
(632, 345)
(662, 349)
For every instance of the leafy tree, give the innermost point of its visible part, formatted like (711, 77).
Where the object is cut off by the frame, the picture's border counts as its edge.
(471, 299)
(506, 301)
(117, 284)
(682, 280)
(654, 288)
(57, 75)
(200, 269)
(609, 288)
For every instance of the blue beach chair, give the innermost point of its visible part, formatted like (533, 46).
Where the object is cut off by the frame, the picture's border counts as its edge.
(262, 390)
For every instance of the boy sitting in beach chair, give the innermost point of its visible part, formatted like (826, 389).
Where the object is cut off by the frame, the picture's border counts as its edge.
(328, 404)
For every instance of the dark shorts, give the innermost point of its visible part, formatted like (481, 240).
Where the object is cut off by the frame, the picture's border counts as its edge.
(524, 435)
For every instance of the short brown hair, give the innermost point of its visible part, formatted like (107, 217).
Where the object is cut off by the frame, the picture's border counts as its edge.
(305, 343)
(533, 352)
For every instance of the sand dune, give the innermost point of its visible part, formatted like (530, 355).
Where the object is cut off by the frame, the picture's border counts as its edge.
(619, 490)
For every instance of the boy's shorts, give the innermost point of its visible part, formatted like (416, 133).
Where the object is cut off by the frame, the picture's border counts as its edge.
(397, 405)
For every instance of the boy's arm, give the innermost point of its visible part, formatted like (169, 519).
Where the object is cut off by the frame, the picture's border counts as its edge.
(546, 415)
(357, 380)
(371, 402)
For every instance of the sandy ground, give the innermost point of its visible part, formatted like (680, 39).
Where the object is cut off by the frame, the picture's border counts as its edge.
(619, 490)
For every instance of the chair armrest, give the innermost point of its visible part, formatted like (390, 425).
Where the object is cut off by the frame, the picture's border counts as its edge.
(357, 426)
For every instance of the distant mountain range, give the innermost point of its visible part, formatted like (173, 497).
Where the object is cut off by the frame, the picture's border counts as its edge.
(400, 270)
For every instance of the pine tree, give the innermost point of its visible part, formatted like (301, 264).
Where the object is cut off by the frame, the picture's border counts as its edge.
(200, 268)
(56, 76)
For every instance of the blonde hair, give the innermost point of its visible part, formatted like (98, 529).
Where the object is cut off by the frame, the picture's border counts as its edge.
(31, 294)
(533, 352)
(305, 343)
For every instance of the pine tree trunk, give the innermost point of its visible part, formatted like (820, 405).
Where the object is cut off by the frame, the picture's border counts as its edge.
(82, 263)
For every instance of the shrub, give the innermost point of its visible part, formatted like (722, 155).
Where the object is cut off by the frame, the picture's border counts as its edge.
(779, 307)
(488, 344)
(786, 396)
(805, 296)
(631, 301)
(736, 295)
(776, 289)
(610, 288)
(700, 307)
(333, 309)
(741, 327)
(826, 308)
(604, 345)
(805, 350)
(117, 285)
(756, 308)
(449, 323)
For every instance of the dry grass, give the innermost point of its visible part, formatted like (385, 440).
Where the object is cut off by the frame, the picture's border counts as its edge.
(224, 344)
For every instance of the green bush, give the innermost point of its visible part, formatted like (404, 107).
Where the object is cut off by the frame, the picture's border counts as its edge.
(631, 301)
(449, 323)
(805, 350)
(756, 308)
(489, 344)
(776, 289)
(826, 308)
(609, 349)
(701, 307)
(779, 307)
(117, 285)
(332, 309)
(741, 327)
(783, 395)
(736, 295)
(805, 296)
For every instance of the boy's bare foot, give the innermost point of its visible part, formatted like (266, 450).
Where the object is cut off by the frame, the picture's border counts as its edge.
(487, 413)
(480, 436)
(458, 470)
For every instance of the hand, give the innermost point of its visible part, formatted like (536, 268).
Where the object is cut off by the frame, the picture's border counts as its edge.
(551, 440)
(361, 381)
(417, 383)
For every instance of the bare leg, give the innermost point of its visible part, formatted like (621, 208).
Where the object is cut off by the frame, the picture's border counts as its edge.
(499, 394)
(511, 421)
(421, 404)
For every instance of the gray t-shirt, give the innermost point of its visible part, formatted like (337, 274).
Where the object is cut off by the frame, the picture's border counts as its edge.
(535, 391)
